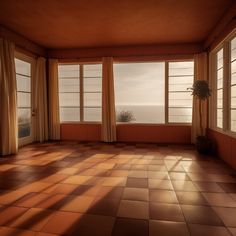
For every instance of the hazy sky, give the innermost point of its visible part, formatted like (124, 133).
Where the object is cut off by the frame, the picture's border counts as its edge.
(139, 83)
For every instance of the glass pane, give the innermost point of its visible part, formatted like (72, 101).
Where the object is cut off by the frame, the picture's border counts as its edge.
(140, 92)
(219, 98)
(220, 59)
(219, 118)
(233, 49)
(92, 84)
(233, 120)
(233, 67)
(23, 99)
(69, 99)
(180, 115)
(181, 68)
(233, 96)
(22, 67)
(220, 74)
(68, 71)
(69, 85)
(93, 99)
(93, 70)
(187, 80)
(69, 114)
(233, 78)
(180, 98)
(92, 114)
(23, 83)
(24, 122)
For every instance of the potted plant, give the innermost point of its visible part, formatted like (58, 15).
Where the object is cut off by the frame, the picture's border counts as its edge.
(202, 92)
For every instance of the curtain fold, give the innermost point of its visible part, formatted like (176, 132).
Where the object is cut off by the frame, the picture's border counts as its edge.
(8, 100)
(200, 73)
(54, 116)
(41, 110)
(108, 101)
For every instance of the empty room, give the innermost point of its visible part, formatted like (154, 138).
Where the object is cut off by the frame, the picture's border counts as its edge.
(118, 118)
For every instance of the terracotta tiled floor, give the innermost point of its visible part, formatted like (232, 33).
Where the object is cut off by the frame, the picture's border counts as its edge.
(98, 189)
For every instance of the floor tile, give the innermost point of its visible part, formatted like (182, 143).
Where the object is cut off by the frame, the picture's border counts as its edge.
(184, 185)
(114, 181)
(102, 206)
(5, 231)
(128, 227)
(133, 209)
(208, 187)
(138, 194)
(178, 176)
(77, 204)
(158, 175)
(220, 199)
(34, 219)
(206, 230)
(191, 198)
(227, 215)
(232, 231)
(163, 196)
(94, 225)
(9, 214)
(62, 223)
(110, 192)
(160, 184)
(137, 183)
(201, 215)
(166, 212)
(167, 228)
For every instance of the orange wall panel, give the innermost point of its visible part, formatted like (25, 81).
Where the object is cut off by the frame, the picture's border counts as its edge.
(129, 133)
(225, 146)
(81, 132)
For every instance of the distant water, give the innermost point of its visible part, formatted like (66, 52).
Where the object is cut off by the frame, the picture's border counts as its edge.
(144, 113)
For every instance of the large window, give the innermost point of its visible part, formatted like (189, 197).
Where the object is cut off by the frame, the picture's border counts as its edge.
(140, 92)
(233, 85)
(219, 88)
(23, 79)
(80, 89)
(181, 76)
(223, 109)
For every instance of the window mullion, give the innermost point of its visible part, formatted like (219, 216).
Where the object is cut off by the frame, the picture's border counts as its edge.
(81, 76)
(166, 92)
(226, 94)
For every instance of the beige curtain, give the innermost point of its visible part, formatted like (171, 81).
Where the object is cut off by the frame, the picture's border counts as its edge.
(108, 102)
(8, 100)
(54, 117)
(41, 111)
(200, 72)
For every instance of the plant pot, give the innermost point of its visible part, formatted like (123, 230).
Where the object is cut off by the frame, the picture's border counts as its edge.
(203, 145)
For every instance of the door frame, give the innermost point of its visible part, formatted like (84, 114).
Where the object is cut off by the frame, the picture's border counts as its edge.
(29, 139)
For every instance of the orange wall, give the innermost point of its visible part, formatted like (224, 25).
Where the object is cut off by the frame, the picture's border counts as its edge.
(129, 133)
(22, 43)
(225, 146)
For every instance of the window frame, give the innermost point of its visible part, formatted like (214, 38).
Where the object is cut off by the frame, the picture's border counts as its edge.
(32, 61)
(81, 91)
(225, 44)
(166, 88)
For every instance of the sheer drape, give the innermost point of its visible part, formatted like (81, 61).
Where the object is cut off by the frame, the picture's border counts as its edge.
(108, 102)
(8, 100)
(54, 117)
(200, 72)
(41, 111)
